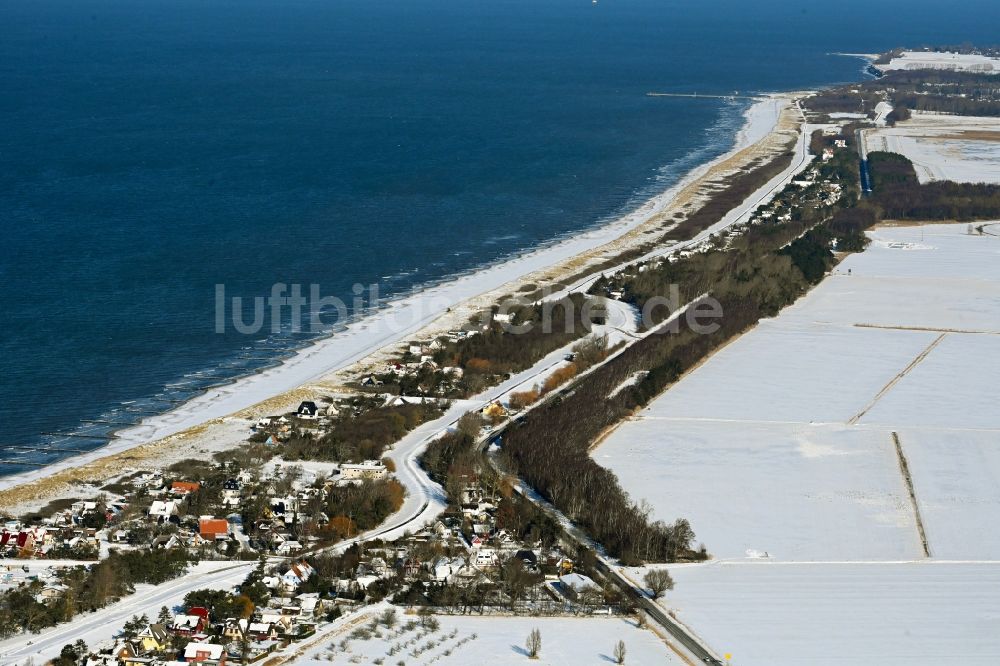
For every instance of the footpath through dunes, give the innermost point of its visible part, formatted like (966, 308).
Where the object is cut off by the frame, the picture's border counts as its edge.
(820, 452)
(219, 419)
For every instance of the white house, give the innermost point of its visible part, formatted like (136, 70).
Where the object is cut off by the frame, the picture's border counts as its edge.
(204, 652)
(369, 469)
(297, 574)
(577, 582)
(289, 547)
(486, 557)
(163, 510)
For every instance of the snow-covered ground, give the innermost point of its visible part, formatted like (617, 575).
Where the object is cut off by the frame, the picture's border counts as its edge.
(955, 480)
(779, 449)
(795, 491)
(463, 640)
(792, 371)
(953, 61)
(955, 387)
(838, 613)
(964, 149)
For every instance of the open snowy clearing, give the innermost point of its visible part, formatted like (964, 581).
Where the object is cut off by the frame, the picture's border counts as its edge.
(796, 492)
(831, 614)
(953, 61)
(792, 372)
(963, 149)
(957, 483)
(956, 387)
(497, 640)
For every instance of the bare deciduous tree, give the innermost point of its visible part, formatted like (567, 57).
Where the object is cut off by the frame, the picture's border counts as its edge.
(619, 652)
(534, 643)
(658, 581)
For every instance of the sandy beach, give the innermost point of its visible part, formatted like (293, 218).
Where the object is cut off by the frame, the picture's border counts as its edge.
(220, 418)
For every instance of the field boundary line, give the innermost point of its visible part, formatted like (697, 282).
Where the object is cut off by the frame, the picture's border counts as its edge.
(895, 380)
(904, 468)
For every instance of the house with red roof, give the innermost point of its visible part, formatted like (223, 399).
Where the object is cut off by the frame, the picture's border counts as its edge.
(213, 528)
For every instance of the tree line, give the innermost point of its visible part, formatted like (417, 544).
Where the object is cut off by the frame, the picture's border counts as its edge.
(898, 194)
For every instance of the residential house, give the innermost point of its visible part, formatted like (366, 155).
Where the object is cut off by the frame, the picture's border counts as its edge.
(278, 620)
(309, 604)
(369, 469)
(307, 410)
(206, 653)
(486, 557)
(528, 559)
(162, 511)
(166, 541)
(184, 488)
(129, 654)
(263, 631)
(154, 638)
(578, 583)
(212, 529)
(297, 574)
(187, 625)
(51, 591)
(288, 547)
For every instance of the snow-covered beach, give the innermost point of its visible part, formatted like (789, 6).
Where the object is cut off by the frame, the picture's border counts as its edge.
(323, 365)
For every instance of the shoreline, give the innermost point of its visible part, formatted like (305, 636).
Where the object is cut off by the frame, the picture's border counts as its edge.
(323, 365)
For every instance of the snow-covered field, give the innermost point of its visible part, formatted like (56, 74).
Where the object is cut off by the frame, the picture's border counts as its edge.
(963, 149)
(497, 641)
(835, 614)
(795, 491)
(953, 61)
(797, 372)
(955, 479)
(782, 444)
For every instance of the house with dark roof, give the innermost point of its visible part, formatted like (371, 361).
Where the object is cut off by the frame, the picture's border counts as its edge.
(307, 410)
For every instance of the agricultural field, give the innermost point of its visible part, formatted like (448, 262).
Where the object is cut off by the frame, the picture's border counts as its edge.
(841, 463)
(831, 614)
(957, 62)
(963, 149)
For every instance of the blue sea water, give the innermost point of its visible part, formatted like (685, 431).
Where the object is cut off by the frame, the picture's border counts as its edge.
(151, 149)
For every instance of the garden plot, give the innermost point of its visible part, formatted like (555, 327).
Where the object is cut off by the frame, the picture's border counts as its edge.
(792, 491)
(497, 640)
(831, 614)
(956, 476)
